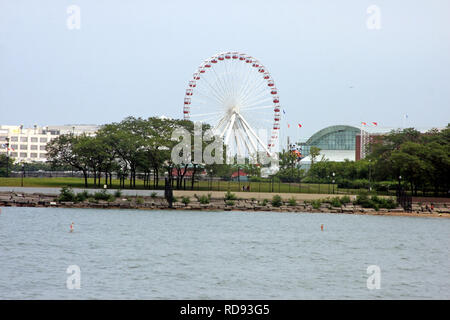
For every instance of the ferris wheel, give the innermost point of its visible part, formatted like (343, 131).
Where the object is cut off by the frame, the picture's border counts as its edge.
(237, 96)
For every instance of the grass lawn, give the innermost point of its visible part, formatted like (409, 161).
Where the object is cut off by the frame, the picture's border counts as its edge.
(199, 185)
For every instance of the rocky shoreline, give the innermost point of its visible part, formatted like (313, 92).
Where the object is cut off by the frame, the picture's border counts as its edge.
(13, 199)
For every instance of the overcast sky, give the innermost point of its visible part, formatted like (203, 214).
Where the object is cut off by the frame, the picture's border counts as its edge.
(135, 58)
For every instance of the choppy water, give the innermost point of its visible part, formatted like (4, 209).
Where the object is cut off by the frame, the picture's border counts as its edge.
(134, 254)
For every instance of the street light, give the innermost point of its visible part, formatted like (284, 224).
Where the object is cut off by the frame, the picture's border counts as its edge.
(23, 173)
(7, 156)
(333, 181)
(370, 184)
(239, 178)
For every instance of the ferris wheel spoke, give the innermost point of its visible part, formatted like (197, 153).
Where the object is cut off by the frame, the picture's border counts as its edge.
(216, 93)
(210, 97)
(247, 108)
(204, 114)
(254, 89)
(254, 102)
(220, 81)
(255, 85)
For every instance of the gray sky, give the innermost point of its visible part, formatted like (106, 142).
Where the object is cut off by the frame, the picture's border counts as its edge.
(135, 58)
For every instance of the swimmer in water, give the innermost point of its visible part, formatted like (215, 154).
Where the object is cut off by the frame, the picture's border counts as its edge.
(71, 227)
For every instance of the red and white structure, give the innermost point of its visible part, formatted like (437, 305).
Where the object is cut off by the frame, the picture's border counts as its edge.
(236, 94)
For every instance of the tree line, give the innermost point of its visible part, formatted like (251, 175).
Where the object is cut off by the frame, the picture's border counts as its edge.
(418, 161)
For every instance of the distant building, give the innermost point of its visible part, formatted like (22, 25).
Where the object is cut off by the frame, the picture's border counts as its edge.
(336, 143)
(28, 144)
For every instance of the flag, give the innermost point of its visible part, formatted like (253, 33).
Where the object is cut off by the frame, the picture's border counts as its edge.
(406, 116)
(289, 125)
(284, 112)
(299, 125)
(363, 123)
(375, 123)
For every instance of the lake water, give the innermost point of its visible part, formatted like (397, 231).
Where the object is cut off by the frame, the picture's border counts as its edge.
(137, 254)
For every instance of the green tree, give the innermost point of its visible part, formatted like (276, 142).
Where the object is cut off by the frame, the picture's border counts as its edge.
(6, 164)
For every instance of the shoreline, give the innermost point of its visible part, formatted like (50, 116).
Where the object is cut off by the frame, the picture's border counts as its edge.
(12, 199)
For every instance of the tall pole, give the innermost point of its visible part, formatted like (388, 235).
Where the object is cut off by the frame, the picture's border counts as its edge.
(7, 157)
(239, 179)
(23, 173)
(333, 181)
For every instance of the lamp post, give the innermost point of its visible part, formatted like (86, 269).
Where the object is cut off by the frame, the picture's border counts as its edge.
(239, 178)
(328, 179)
(7, 156)
(333, 181)
(23, 173)
(370, 184)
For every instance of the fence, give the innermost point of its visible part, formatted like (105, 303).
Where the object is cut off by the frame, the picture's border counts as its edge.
(204, 183)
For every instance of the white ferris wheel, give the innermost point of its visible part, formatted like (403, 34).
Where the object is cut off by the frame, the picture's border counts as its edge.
(237, 96)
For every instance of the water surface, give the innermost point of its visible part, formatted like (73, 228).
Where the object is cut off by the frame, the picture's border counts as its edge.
(137, 254)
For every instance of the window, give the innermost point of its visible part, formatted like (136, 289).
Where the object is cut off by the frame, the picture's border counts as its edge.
(3, 138)
(33, 147)
(23, 154)
(13, 154)
(34, 139)
(15, 146)
(33, 155)
(23, 139)
(42, 147)
(42, 156)
(43, 140)
(14, 139)
(23, 147)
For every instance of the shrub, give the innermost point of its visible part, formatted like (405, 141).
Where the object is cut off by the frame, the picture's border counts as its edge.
(185, 200)
(82, 196)
(229, 203)
(292, 202)
(153, 194)
(335, 202)
(139, 200)
(230, 196)
(103, 195)
(204, 199)
(316, 204)
(92, 200)
(375, 202)
(118, 193)
(66, 194)
(276, 201)
(345, 200)
(265, 202)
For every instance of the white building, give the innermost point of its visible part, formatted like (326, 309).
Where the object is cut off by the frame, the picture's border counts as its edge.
(28, 144)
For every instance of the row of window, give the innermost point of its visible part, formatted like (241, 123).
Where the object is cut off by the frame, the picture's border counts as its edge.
(25, 155)
(25, 139)
(25, 147)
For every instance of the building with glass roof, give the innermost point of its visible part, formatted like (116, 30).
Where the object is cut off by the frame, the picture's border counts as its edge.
(336, 143)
